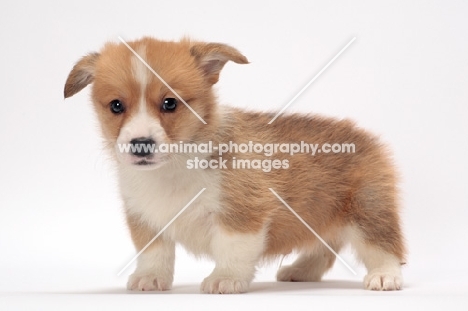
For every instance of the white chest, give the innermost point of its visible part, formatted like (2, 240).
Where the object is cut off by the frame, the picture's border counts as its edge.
(157, 196)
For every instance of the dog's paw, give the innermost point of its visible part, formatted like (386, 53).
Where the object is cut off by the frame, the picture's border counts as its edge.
(294, 274)
(223, 285)
(148, 282)
(383, 280)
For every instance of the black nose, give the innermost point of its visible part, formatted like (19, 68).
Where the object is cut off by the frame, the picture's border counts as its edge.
(142, 146)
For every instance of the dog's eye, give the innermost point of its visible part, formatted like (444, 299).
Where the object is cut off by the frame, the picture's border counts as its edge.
(169, 105)
(117, 107)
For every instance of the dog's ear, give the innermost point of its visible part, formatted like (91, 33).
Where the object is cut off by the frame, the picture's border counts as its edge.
(81, 75)
(211, 58)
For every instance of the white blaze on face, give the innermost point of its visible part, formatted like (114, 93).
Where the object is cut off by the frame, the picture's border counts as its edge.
(141, 124)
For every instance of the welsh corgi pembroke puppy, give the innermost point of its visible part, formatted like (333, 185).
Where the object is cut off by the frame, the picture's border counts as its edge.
(238, 175)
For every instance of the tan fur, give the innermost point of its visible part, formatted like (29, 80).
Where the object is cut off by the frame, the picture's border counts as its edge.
(213, 56)
(331, 192)
(81, 75)
(141, 234)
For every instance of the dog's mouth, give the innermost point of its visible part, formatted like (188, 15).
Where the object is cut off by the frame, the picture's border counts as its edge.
(148, 163)
(145, 162)
(140, 160)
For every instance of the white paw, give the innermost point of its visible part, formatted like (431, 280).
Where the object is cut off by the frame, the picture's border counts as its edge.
(383, 280)
(224, 285)
(295, 274)
(148, 282)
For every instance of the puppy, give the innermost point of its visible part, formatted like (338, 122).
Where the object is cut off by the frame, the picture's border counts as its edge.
(346, 197)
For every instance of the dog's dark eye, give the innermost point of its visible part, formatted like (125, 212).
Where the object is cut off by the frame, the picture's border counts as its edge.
(169, 105)
(116, 106)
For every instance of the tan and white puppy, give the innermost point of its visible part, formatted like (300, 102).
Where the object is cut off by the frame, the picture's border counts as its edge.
(237, 221)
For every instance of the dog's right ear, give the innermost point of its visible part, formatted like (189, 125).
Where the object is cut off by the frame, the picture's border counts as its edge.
(81, 75)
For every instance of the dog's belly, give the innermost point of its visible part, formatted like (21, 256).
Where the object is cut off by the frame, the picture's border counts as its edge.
(157, 196)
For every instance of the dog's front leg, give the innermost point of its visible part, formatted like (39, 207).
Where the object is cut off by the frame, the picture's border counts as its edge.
(155, 266)
(236, 255)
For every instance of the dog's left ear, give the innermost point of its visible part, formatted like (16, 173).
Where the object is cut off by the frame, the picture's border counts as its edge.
(81, 75)
(212, 57)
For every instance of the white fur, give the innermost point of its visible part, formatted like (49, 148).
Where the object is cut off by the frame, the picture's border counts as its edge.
(156, 196)
(236, 256)
(141, 73)
(383, 269)
(141, 124)
(155, 269)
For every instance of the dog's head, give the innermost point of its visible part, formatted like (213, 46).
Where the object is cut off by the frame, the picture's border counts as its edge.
(152, 92)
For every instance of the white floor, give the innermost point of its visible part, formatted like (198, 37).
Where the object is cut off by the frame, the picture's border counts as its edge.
(264, 295)
(73, 288)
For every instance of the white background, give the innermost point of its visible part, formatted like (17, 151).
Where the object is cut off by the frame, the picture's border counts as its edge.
(62, 232)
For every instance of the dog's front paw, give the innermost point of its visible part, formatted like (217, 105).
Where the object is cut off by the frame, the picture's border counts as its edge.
(380, 279)
(215, 284)
(148, 282)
